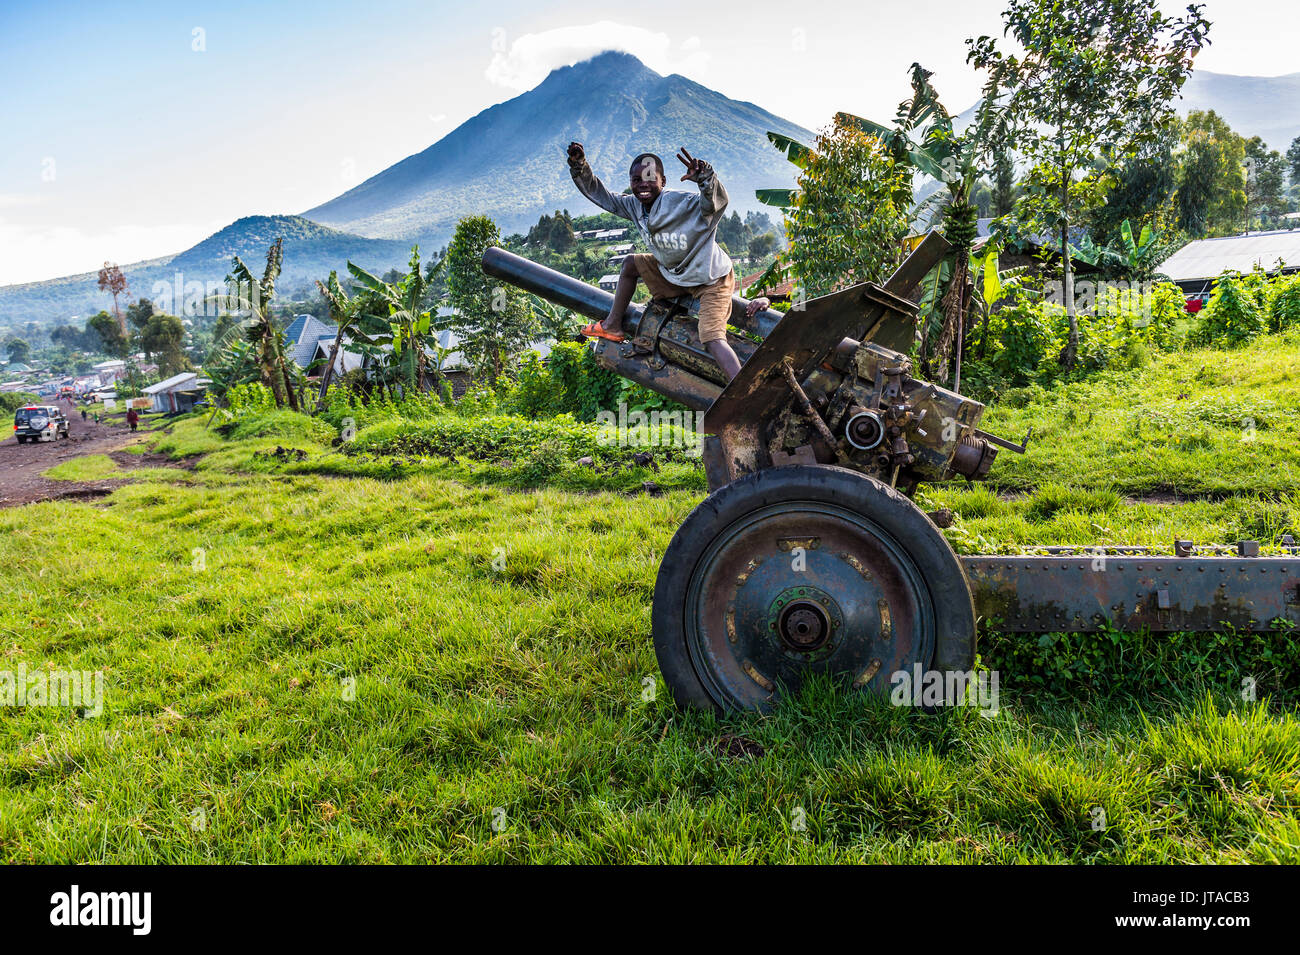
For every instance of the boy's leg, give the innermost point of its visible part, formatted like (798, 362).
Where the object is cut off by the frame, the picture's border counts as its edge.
(725, 356)
(715, 309)
(627, 279)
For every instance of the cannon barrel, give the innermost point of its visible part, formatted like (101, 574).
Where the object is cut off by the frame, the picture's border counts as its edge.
(563, 290)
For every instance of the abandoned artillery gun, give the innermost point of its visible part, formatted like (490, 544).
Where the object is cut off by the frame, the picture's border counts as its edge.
(809, 556)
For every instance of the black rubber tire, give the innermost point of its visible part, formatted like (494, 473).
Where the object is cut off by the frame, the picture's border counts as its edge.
(941, 568)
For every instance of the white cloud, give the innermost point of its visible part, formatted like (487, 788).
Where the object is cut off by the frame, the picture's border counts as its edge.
(532, 56)
(12, 200)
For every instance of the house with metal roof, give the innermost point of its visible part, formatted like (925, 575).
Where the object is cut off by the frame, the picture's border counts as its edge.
(177, 394)
(304, 336)
(1196, 265)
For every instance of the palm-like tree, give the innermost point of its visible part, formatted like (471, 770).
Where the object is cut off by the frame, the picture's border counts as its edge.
(397, 314)
(343, 313)
(923, 137)
(246, 293)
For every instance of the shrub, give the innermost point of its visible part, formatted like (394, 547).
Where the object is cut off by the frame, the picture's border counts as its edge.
(282, 424)
(543, 463)
(502, 438)
(1235, 314)
(1069, 664)
(1284, 310)
(342, 403)
(580, 386)
(535, 395)
(250, 399)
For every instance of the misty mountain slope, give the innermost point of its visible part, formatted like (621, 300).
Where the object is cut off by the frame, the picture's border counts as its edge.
(310, 252)
(1263, 106)
(508, 161)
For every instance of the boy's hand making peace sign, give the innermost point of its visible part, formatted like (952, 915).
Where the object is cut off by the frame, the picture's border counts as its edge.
(695, 168)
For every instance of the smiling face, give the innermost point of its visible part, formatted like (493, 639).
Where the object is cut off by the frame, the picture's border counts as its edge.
(647, 180)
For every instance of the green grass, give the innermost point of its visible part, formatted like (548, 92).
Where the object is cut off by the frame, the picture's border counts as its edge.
(312, 666)
(1202, 423)
(87, 468)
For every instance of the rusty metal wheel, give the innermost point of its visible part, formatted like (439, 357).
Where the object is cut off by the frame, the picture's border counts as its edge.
(801, 570)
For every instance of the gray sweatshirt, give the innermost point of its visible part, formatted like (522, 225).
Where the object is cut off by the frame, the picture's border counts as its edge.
(680, 228)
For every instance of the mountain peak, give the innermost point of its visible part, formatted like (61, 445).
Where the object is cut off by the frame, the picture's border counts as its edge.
(610, 70)
(508, 161)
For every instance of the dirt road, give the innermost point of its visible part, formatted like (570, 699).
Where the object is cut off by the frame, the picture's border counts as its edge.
(21, 464)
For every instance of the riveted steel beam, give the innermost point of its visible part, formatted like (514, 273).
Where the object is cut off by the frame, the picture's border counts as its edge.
(1079, 593)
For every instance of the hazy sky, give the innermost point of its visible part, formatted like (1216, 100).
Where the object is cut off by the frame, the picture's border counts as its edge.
(133, 130)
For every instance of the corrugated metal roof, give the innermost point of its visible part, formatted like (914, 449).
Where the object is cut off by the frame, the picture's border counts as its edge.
(302, 335)
(171, 383)
(1210, 258)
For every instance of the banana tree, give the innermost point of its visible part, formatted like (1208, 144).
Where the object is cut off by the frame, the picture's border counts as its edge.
(923, 138)
(343, 313)
(248, 294)
(395, 314)
(556, 321)
(1134, 258)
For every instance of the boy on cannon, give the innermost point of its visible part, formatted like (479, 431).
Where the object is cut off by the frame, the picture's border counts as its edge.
(680, 228)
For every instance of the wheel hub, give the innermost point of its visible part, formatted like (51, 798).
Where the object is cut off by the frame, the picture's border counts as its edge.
(804, 626)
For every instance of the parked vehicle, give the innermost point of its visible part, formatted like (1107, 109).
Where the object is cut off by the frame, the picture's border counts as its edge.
(40, 423)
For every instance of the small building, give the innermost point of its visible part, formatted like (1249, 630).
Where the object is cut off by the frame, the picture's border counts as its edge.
(109, 371)
(609, 235)
(623, 248)
(1197, 264)
(304, 336)
(177, 394)
(616, 261)
(608, 282)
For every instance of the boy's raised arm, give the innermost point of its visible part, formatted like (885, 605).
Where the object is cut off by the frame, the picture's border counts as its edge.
(591, 187)
(713, 198)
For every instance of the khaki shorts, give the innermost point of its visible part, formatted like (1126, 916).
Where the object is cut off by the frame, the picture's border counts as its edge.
(715, 299)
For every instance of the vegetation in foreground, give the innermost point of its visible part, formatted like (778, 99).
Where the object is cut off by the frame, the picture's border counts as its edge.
(306, 663)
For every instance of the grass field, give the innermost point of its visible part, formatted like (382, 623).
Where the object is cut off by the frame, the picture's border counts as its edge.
(342, 660)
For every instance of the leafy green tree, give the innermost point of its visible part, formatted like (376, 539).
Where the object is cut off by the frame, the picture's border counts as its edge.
(109, 332)
(1004, 182)
(761, 246)
(1092, 81)
(1265, 182)
(846, 219)
(1293, 159)
(1211, 197)
(139, 313)
(19, 350)
(493, 321)
(163, 337)
(561, 238)
(1139, 190)
(74, 338)
(731, 232)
